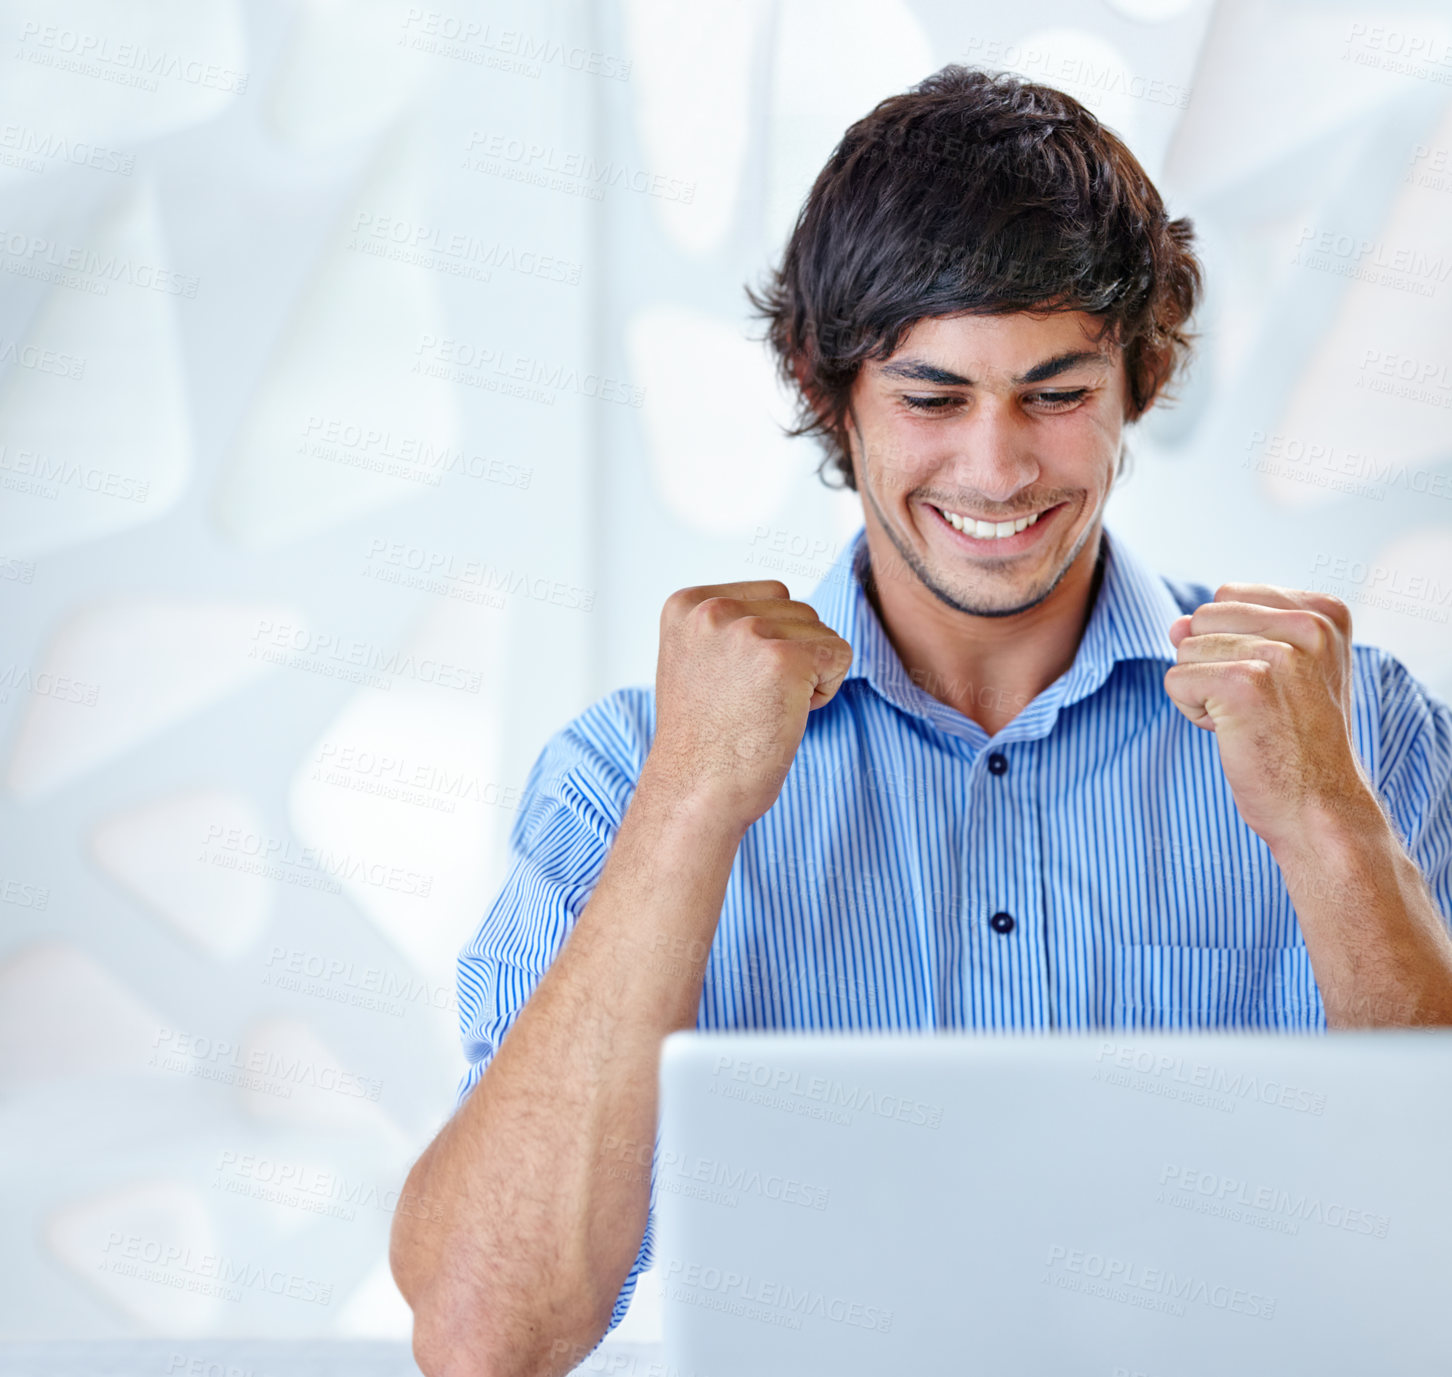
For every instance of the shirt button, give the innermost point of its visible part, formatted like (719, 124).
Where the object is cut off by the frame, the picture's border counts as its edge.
(1001, 922)
(997, 763)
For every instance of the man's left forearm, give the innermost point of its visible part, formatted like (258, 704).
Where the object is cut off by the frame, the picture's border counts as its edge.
(1381, 952)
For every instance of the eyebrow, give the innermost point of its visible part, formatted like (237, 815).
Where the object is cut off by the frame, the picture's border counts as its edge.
(920, 370)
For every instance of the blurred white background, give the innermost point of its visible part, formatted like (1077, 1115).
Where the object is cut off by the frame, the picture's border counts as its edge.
(370, 372)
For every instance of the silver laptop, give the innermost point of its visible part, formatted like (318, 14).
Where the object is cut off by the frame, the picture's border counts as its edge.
(1108, 1204)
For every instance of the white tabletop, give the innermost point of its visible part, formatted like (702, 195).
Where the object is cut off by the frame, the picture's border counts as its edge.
(265, 1358)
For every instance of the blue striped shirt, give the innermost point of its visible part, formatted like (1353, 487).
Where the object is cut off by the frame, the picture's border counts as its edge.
(1084, 867)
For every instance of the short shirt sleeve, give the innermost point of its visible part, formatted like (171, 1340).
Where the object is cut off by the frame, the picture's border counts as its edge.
(1415, 775)
(573, 802)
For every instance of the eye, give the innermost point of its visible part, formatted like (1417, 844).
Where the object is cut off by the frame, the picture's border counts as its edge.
(937, 402)
(1059, 401)
(1044, 401)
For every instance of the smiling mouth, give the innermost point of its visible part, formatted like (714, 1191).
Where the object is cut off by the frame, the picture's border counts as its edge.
(990, 530)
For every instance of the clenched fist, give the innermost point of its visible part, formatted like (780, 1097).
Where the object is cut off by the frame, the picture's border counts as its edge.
(740, 667)
(1269, 670)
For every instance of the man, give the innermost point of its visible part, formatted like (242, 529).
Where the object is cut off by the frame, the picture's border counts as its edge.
(995, 774)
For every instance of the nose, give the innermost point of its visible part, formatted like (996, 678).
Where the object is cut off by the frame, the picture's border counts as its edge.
(992, 454)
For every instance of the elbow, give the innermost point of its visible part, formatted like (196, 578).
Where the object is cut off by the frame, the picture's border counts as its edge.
(471, 1318)
(450, 1350)
(438, 1352)
(457, 1339)
(447, 1345)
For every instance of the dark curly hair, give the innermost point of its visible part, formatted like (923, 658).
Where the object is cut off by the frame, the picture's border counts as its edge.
(976, 192)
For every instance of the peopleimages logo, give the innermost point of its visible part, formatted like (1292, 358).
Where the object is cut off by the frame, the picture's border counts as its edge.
(745, 1180)
(214, 1274)
(344, 657)
(1154, 1288)
(783, 1082)
(773, 1302)
(1173, 1070)
(93, 54)
(321, 1192)
(257, 1068)
(1208, 1192)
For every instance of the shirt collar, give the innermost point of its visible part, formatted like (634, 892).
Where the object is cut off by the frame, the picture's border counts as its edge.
(1130, 620)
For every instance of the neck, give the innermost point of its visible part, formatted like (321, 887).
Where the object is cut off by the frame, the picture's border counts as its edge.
(987, 668)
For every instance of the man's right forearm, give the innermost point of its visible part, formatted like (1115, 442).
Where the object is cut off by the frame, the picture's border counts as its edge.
(538, 1188)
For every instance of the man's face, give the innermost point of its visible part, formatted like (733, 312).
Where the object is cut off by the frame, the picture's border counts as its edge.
(991, 418)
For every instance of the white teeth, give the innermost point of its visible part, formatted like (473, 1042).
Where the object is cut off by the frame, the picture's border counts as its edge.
(989, 530)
